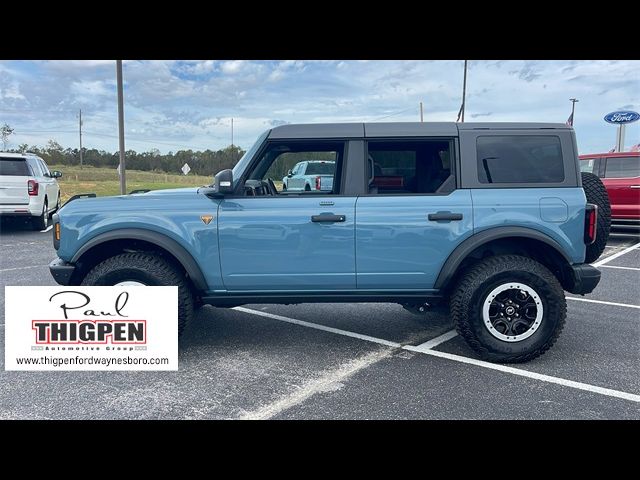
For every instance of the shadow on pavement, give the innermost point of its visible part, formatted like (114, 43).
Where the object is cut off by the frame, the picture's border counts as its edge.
(15, 225)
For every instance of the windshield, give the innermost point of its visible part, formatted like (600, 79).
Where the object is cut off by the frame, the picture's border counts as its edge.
(246, 158)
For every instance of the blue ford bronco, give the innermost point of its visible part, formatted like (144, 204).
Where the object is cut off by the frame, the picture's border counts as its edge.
(491, 220)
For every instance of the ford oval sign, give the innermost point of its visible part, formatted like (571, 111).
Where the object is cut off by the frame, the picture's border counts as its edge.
(622, 117)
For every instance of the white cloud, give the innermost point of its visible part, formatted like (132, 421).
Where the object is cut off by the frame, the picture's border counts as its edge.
(199, 67)
(11, 92)
(232, 66)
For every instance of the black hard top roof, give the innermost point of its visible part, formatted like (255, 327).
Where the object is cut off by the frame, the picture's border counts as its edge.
(399, 129)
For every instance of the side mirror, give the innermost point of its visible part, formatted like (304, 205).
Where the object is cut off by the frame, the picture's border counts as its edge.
(289, 174)
(56, 174)
(223, 182)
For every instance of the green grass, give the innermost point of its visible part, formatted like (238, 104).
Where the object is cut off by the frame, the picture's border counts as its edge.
(105, 181)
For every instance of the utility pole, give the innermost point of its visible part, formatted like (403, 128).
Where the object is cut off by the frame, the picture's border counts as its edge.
(573, 109)
(80, 126)
(421, 115)
(233, 155)
(464, 94)
(123, 182)
(464, 90)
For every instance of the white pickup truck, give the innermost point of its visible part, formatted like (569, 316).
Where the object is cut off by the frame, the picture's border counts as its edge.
(310, 175)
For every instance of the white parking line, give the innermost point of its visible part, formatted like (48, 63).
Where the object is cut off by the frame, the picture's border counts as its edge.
(302, 323)
(434, 342)
(537, 376)
(456, 358)
(18, 244)
(20, 268)
(616, 255)
(621, 268)
(46, 229)
(588, 300)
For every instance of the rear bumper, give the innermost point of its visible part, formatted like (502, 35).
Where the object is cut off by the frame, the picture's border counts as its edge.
(61, 271)
(582, 278)
(33, 208)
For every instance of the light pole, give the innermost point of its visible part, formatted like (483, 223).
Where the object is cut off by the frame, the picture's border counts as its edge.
(573, 108)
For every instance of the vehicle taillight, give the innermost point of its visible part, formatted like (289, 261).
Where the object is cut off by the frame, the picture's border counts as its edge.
(32, 186)
(590, 223)
(318, 183)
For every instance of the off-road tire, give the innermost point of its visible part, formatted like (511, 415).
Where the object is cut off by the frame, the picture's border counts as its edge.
(149, 269)
(473, 289)
(41, 222)
(596, 193)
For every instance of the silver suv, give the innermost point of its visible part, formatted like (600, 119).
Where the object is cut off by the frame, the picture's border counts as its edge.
(28, 188)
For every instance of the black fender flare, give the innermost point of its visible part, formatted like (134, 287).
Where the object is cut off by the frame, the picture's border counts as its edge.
(161, 240)
(461, 252)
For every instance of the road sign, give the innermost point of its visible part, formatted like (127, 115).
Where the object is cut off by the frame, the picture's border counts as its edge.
(185, 168)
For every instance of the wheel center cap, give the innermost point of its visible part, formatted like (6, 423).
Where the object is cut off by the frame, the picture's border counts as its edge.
(510, 310)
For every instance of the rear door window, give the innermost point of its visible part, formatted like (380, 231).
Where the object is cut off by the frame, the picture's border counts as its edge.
(526, 159)
(44, 167)
(14, 167)
(404, 167)
(622, 167)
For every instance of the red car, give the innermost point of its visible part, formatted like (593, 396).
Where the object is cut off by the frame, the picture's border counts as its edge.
(620, 173)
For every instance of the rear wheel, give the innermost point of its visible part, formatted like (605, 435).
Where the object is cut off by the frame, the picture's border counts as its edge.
(307, 188)
(509, 308)
(596, 193)
(145, 269)
(42, 222)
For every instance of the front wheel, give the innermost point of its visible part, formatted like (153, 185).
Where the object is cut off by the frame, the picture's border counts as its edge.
(141, 268)
(509, 308)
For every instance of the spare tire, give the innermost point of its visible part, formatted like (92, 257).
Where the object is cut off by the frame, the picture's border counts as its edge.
(596, 193)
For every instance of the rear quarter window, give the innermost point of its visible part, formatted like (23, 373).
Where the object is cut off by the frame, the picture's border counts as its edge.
(15, 167)
(520, 159)
(587, 164)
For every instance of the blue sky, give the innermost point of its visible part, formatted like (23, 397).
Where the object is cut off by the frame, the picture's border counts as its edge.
(174, 105)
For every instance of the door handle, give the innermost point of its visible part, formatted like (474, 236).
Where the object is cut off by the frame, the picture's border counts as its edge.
(444, 216)
(634, 186)
(325, 217)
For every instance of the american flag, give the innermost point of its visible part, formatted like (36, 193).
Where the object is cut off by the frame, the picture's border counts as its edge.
(570, 120)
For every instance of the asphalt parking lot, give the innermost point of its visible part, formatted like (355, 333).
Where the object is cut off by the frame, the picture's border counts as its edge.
(347, 361)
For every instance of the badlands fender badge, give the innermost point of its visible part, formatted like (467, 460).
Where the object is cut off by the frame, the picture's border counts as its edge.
(206, 219)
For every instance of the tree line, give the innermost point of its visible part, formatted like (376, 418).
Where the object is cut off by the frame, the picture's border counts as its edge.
(207, 162)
